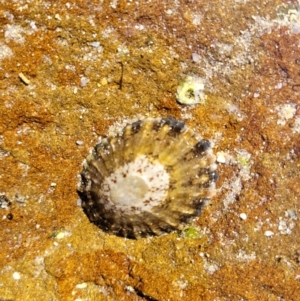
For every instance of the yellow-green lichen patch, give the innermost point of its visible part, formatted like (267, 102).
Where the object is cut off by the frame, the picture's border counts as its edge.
(191, 232)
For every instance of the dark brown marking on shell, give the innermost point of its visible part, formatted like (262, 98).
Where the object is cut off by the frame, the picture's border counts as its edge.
(175, 125)
(136, 126)
(202, 146)
(189, 162)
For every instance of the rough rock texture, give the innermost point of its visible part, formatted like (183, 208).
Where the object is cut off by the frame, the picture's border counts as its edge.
(92, 65)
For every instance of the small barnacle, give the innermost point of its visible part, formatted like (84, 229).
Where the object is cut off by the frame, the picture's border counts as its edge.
(4, 201)
(151, 178)
(190, 92)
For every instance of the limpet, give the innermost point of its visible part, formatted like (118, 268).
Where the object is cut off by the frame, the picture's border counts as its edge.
(151, 178)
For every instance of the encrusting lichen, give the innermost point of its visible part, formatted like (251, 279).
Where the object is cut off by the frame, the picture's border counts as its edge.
(191, 232)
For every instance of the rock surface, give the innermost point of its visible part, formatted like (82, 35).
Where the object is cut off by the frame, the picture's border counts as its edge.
(72, 71)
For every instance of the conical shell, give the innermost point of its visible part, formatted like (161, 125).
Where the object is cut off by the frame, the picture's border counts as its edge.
(151, 178)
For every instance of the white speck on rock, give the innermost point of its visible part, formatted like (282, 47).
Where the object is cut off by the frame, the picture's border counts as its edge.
(285, 112)
(79, 142)
(114, 4)
(284, 228)
(221, 157)
(94, 44)
(296, 127)
(16, 275)
(243, 216)
(287, 223)
(81, 285)
(196, 19)
(195, 57)
(224, 158)
(139, 26)
(14, 33)
(84, 81)
(130, 289)
(182, 284)
(210, 269)
(234, 187)
(5, 51)
(33, 25)
(243, 256)
(269, 233)
(292, 214)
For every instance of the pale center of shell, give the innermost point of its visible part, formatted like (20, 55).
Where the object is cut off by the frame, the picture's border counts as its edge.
(138, 185)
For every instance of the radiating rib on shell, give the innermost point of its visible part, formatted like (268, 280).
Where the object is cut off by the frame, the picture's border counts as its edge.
(185, 167)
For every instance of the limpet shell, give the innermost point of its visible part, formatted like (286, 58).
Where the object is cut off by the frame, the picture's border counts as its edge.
(151, 178)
